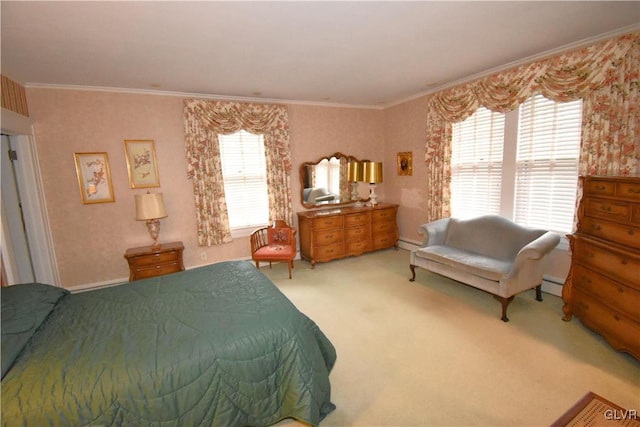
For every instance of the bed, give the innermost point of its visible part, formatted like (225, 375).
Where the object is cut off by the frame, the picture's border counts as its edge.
(218, 345)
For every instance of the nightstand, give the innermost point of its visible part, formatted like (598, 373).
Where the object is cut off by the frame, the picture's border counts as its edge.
(146, 261)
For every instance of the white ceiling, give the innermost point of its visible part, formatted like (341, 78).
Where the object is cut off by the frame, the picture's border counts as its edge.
(357, 53)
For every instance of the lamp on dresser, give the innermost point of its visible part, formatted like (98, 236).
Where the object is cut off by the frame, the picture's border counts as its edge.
(354, 176)
(150, 208)
(372, 173)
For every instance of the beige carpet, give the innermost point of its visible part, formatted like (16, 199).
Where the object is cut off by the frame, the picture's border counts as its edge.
(435, 352)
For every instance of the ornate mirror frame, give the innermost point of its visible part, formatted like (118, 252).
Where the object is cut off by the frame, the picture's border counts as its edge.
(327, 198)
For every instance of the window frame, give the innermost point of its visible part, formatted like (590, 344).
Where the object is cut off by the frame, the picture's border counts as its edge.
(510, 170)
(245, 230)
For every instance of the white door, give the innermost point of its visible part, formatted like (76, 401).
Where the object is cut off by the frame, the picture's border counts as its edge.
(16, 256)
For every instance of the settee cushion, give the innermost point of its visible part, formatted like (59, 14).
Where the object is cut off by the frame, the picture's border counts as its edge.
(470, 262)
(492, 236)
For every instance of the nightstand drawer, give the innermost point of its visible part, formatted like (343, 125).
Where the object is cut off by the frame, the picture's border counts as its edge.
(158, 270)
(154, 259)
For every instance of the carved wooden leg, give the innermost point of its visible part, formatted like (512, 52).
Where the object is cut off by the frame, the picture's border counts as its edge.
(539, 293)
(505, 303)
(413, 272)
(290, 265)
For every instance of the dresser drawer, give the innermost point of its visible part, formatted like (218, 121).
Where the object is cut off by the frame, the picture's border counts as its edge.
(386, 240)
(384, 215)
(358, 247)
(383, 227)
(622, 267)
(635, 215)
(628, 190)
(615, 295)
(329, 252)
(158, 270)
(601, 208)
(602, 188)
(620, 331)
(328, 223)
(328, 237)
(153, 259)
(356, 219)
(619, 233)
(357, 233)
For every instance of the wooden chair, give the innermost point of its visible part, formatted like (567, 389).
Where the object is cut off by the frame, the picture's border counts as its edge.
(274, 244)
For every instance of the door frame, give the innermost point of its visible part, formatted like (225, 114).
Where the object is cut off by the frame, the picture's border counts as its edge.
(30, 187)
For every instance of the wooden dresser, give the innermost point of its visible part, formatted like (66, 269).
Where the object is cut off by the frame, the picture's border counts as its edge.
(331, 234)
(146, 261)
(603, 285)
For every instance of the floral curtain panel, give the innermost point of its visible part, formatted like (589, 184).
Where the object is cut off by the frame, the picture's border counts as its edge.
(604, 75)
(204, 121)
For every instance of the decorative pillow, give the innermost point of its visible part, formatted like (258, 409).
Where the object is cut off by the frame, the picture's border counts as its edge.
(24, 308)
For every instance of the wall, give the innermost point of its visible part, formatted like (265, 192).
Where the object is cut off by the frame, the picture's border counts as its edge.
(405, 131)
(90, 240)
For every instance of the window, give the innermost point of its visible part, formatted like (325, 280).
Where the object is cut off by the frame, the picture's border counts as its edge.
(327, 175)
(245, 179)
(522, 165)
(476, 164)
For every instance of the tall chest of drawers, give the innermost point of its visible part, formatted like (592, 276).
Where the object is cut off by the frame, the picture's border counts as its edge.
(331, 234)
(603, 285)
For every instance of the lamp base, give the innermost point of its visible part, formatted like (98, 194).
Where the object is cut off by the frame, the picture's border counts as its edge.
(153, 226)
(372, 195)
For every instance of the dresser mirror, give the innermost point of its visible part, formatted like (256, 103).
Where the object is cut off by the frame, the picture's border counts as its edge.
(325, 183)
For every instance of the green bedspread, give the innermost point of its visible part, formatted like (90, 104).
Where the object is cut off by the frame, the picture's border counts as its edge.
(217, 345)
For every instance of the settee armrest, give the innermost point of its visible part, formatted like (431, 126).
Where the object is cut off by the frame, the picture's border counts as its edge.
(435, 233)
(535, 250)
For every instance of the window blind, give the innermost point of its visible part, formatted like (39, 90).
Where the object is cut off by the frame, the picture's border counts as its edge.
(547, 163)
(476, 164)
(245, 179)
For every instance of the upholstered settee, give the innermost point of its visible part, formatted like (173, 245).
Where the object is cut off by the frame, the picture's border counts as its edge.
(489, 252)
(317, 195)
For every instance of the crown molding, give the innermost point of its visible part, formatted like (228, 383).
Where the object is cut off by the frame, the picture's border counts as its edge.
(197, 95)
(538, 57)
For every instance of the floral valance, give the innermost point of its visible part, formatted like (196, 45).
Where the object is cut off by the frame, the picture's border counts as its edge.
(563, 78)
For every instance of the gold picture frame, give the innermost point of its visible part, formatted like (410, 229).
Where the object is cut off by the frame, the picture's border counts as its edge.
(141, 163)
(94, 177)
(405, 166)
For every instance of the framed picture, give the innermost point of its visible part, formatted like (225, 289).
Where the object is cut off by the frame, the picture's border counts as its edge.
(141, 163)
(404, 163)
(94, 177)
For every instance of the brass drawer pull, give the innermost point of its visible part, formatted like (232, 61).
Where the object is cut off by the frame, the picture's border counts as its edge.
(596, 227)
(634, 191)
(631, 232)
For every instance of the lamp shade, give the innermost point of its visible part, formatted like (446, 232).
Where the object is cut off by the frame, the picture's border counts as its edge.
(354, 173)
(149, 206)
(372, 172)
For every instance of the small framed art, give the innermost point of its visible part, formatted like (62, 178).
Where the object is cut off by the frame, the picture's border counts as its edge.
(141, 163)
(404, 163)
(94, 177)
